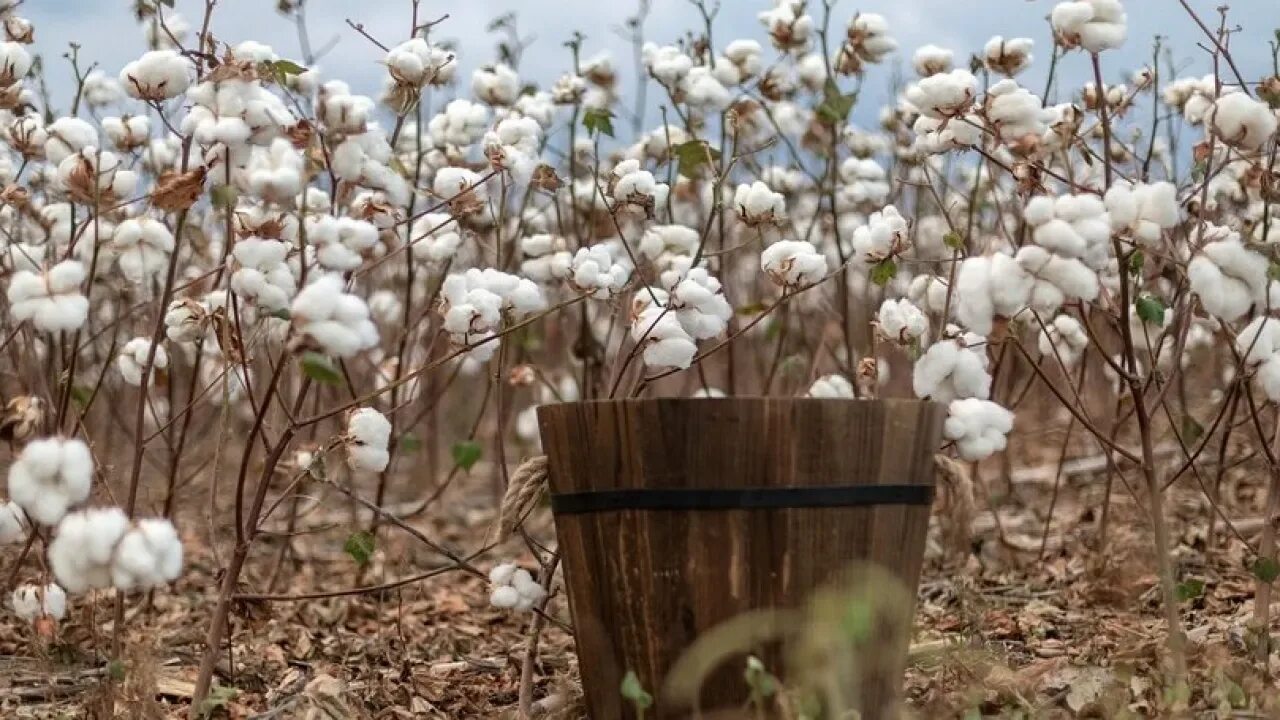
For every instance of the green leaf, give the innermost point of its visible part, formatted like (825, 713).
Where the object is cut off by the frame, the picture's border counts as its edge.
(835, 105)
(225, 197)
(953, 240)
(598, 120)
(218, 698)
(116, 670)
(1266, 569)
(1190, 589)
(1273, 270)
(410, 443)
(1151, 310)
(632, 690)
(859, 620)
(360, 547)
(466, 453)
(320, 368)
(762, 683)
(1192, 430)
(166, 3)
(884, 271)
(80, 396)
(751, 309)
(1136, 261)
(287, 67)
(694, 154)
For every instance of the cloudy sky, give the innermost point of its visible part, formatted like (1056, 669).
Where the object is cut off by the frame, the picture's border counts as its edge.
(108, 35)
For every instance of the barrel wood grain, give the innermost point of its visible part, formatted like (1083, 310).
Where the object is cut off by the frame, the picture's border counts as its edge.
(643, 585)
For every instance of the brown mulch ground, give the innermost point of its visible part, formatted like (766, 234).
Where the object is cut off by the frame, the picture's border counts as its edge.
(1003, 628)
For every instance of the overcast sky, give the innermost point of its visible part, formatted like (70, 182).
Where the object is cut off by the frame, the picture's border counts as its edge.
(107, 33)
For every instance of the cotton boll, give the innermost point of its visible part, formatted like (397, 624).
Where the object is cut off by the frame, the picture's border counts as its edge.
(757, 204)
(546, 258)
(943, 95)
(148, 555)
(15, 63)
(385, 307)
(666, 342)
(156, 76)
(1241, 121)
(700, 304)
(1143, 211)
(513, 145)
(83, 546)
(594, 271)
(504, 597)
(635, 187)
(1007, 56)
(133, 360)
(32, 601)
(142, 246)
(793, 264)
(901, 321)
(67, 136)
(50, 476)
(333, 320)
(831, 386)
(885, 234)
(13, 523)
(931, 60)
(1228, 278)
(464, 190)
(127, 132)
(979, 428)
(262, 277)
(788, 25)
(1063, 338)
(51, 301)
(867, 41)
(948, 371)
(340, 111)
(495, 84)
(1094, 25)
(416, 63)
(436, 239)
(368, 437)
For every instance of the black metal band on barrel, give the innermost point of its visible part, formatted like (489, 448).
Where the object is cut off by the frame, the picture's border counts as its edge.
(740, 498)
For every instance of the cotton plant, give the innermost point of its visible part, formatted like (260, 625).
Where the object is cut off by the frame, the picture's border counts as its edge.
(513, 588)
(101, 548)
(49, 477)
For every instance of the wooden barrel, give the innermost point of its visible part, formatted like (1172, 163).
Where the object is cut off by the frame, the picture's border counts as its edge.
(674, 515)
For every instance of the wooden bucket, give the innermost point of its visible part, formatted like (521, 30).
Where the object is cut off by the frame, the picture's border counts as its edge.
(674, 515)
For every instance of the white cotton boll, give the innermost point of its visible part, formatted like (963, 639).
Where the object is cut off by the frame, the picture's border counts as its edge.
(1228, 278)
(385, 307)
(1094, 25)
(495, 84)
(13, 523)
(901, 321)
(885, 234)
(1007, 56)
(793, 263)
(1015, 112)
(1058, 279)
(660, 240)
(184, 320)
(1259, 340)
(931, 60)
(948, 371)
(335, 321)
(979, 428)
(936, 137)
(700, 304)
(127, 132)
(80, 555)
(461, 123)
(341, 111)
(757, 204)
(474, 303)
(594, 271)
(416, 63)
(703, 91)
(1065, 338)
(32, 601)
(633, 186)
(133, 359)
(276, 172)
(513, 145)
(787, 25)
(368, 437)
(460, 183)
(546, 258)
(831, 386)
(436, 238)
(142, 246)
(1143, 211)
(148, 555)
(973, 303)
(745, 56)
(1241, 121)
(67, 136)
(667, 64)
(157, 75)
(666, 342)
(262, 277)
(504, 597)
(501, 574)
(943, 95)
(52, 300)
(15, 62)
